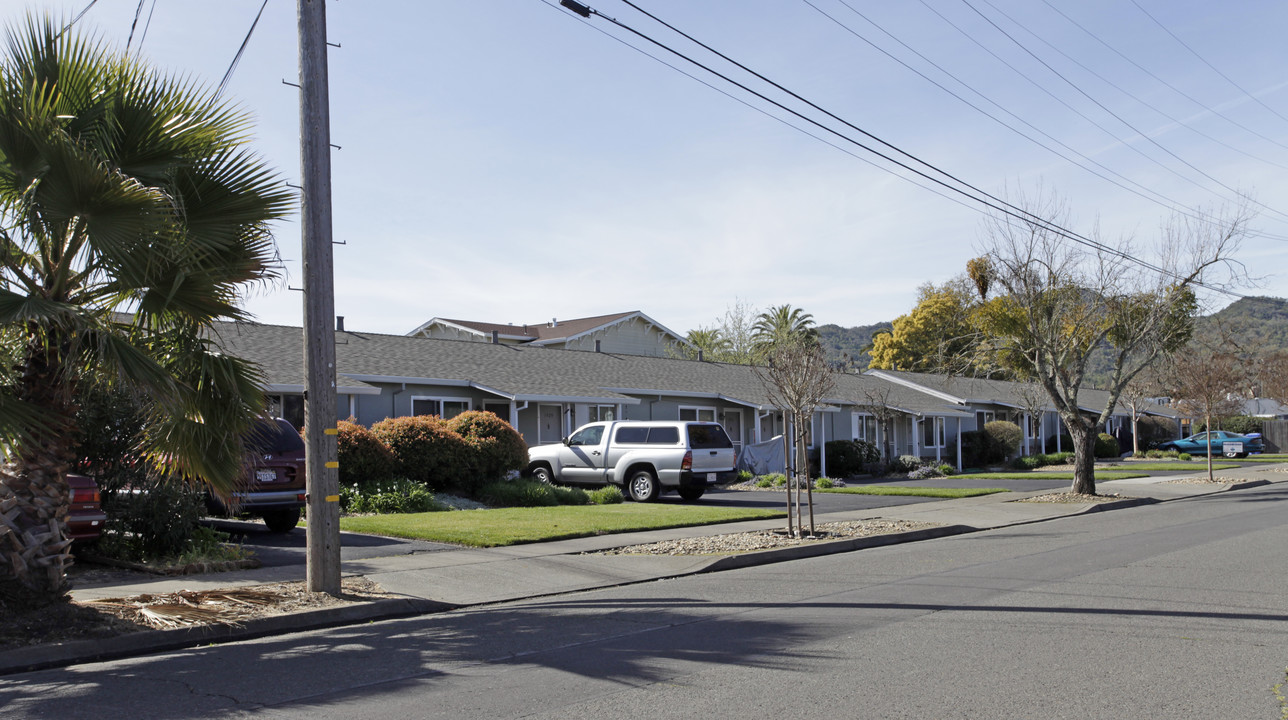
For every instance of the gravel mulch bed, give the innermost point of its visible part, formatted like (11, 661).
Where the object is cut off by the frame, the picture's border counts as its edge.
(1218, 480)
(735, 543)
(1069, 497)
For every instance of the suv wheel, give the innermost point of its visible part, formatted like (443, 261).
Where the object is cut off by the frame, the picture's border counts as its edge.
(691, 493)
(642, 486)
(282, 521)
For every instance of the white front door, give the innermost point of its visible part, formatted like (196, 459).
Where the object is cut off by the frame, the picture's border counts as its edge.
(549, 427)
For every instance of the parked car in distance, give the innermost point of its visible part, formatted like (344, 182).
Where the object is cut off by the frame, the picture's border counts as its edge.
(1223, 442)
(85, 517)
(645, 458)
(274, 485)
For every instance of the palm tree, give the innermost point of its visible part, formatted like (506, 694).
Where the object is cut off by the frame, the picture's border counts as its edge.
(131, 218)
(713, 344)
(783, 322)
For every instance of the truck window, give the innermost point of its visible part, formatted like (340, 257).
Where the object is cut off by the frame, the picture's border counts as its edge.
(663, 436)
(632, 434)
(587, 436)
(708, 436)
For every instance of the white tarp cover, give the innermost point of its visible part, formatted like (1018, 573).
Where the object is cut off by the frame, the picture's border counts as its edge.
(763, 458)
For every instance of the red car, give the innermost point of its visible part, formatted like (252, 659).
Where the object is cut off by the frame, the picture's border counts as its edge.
(85, 518)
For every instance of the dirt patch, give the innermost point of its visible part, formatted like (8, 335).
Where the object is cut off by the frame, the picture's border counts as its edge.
(1071, 498)
(734, 543)
(74, 620)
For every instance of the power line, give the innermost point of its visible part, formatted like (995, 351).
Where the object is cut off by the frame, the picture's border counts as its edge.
(1139, 190)
(1202, 59)
(1167, 84)
(1119, 118)
(76, 19)
(137, 12)
(237, 58)
(992, 202)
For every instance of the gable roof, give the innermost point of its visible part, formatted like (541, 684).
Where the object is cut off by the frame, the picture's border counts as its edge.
(555, 331)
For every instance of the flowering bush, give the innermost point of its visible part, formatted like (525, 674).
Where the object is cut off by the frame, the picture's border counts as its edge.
(363, 458)
(426, 450)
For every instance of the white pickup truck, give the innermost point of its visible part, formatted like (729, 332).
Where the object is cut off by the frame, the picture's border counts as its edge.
(645, 458)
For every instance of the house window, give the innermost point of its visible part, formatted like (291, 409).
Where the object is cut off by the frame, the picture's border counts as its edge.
(499, 409)
(982, 418)
(445, 408)
(932, 432)
(700, 414)
(602, 413)
(288, 407)
(863, 427)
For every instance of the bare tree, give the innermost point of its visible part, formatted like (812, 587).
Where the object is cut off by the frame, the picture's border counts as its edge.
(1138, 394)
(1059, 300)
(797, 377)
(1033, 400)
(1206, 382)
(876, 400)
(1272, 376)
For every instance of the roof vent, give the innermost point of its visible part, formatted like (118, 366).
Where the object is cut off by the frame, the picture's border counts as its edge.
(597, 346)
(496, 337)
(339, 323)
(554, 322)
(699, 354)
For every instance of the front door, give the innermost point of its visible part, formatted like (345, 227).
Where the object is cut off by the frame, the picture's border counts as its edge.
(733, 427)
(549, 427)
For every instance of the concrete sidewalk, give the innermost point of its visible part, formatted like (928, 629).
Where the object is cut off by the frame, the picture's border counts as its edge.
(461, 577)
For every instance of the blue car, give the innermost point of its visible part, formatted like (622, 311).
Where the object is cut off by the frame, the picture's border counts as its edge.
(1225, 443)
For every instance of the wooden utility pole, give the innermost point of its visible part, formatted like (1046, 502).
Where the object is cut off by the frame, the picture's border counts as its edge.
(323, 531)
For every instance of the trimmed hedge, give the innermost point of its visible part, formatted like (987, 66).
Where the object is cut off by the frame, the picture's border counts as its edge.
(1106, 446)
(846, 458)
(426, 450)
(1006, 437)
(363, 458)
(497, 448)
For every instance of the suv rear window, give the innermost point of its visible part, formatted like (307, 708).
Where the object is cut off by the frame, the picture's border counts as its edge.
(708, 436)
(274, 437)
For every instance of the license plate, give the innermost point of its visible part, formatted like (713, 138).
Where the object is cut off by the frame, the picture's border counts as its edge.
(711, 477)
(1232, 447)
(266, 476)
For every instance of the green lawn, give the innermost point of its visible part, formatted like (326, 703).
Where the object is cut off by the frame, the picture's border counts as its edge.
(916, 491)
(1178, 466)
(513, 526)
(1039, 475)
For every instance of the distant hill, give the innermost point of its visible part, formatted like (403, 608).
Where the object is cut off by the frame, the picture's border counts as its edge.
(849, 346)
(1255, 323)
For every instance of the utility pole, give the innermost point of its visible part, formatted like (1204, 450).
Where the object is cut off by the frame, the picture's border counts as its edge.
(323, 483)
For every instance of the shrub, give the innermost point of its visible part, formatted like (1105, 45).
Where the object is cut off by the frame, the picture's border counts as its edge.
(1060, 458)
(570, 495)
(1006, 437)
(848, 457)
(518, 493)
(777, 479)
(824, 483)
(1066, 441)
(765, 482)
(1028, 462)
(946, 469)
(924, 472)
(607, 495)
(498, 448)
(745, 475)
(1184, 456)
(1242, 424)
(158, 520)
(1106, 446)
(1152, 430)
(363, 458)
(390, 496)
(905, 464)
(980, 449)
(426, 450)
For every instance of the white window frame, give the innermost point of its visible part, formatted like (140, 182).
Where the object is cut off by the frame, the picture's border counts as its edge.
(697, 412)
(859, 424)
(938, 432)
(595, 413)
(441, 400)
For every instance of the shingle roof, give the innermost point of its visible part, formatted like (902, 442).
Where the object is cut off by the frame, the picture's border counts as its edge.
(525, 372)
(539, 332)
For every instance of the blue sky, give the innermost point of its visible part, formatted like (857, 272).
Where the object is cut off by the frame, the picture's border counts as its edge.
(511, 162)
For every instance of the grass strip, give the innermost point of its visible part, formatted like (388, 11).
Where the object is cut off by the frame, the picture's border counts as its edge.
(514, 526)
(1178, 466)
(1039, 475)
(912, 491)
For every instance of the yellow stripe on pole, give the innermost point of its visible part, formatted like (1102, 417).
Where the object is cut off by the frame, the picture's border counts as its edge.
(333, 464)
(330, 431)
(333, 498)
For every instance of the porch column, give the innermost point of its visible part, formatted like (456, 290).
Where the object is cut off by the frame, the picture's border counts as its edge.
(822, 445)
(959, 444)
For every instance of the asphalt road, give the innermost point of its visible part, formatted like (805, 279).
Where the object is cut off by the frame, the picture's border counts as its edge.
(1176, 610)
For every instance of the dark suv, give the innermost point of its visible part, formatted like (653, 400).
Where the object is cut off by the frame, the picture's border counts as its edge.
(273, 487)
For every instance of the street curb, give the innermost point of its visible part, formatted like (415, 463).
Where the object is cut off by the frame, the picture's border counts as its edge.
(831, 547)
(45, 657)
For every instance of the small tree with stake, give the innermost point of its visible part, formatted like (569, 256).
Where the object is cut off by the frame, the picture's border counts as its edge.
(1205, 381)
(796, 377)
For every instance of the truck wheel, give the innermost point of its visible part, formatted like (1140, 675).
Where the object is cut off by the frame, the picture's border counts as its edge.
(691, 493)
(541, 473)
(282, 521)
(642, 486)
